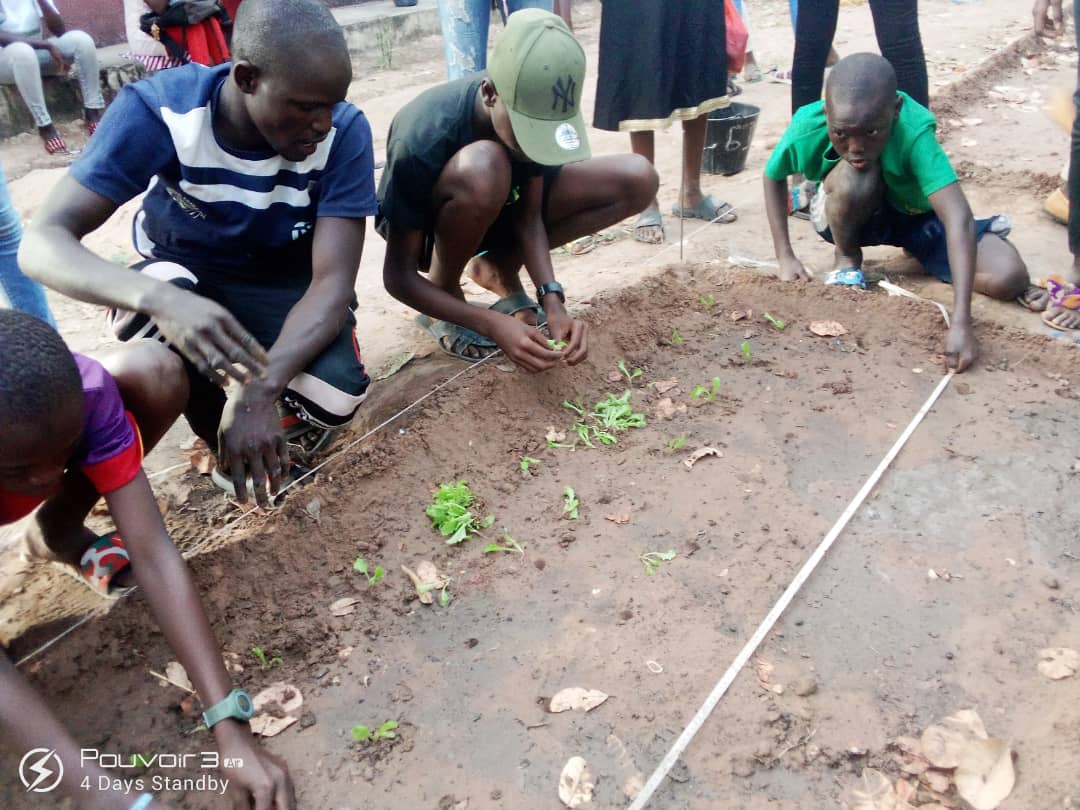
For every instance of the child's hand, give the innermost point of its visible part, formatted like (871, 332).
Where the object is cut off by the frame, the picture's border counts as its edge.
(573, 333)
(525, 345)
(263, 782)
(961, 348)
(791, 269)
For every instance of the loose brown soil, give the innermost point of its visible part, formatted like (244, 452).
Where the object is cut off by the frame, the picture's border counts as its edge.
(981, 491)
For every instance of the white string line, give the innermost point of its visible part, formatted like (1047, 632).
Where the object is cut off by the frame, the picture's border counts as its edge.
(767, 624)
(215, 535)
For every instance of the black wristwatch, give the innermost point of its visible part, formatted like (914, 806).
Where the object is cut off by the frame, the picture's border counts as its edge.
(550, 287)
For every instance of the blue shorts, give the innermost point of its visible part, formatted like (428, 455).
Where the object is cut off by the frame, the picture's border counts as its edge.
(921, 235)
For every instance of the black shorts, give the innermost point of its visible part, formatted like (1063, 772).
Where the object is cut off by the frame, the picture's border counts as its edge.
(327, 393)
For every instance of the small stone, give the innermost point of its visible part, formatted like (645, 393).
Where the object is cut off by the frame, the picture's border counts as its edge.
(472, 642)
(1050, 582)
(949, 655)
(496, 795)
(679, 772)
(742, 767)
(805, 686)
(307, 720)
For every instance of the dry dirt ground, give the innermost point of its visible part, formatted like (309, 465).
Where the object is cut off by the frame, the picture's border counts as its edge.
(873, 648)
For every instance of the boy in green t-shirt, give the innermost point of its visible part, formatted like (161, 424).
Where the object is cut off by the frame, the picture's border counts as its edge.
(885, 180)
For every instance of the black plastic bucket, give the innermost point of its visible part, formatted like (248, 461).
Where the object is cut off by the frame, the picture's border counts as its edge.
(727, 138)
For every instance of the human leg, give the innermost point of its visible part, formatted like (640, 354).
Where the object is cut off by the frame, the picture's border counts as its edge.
(815, 27)
(78, 47)
(19, 65)
(649, 227)
(16, 290)
(1000, 272)
(694, 202)
(846, 202)
(154, 388)
(465, 32)
(896, 25)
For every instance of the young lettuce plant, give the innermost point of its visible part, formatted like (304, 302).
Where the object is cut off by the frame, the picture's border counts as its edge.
(570, 503)
(710, 393)
(509, 544)
(630, 375)
(360, 565)
(653, 559)
(386, 731)
(451, 515)
(264, 662)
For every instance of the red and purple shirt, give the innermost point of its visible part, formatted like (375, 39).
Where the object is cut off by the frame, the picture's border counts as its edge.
(109, 452)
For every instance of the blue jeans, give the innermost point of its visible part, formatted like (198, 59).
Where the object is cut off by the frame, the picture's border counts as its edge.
(16, 290)
(465, 31)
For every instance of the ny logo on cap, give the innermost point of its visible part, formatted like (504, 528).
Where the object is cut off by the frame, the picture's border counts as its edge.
(564, 93)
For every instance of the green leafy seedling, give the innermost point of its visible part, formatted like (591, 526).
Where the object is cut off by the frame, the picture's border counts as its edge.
(360, 565)
(676, 338)
(616, 413)
(442, 587)
(653, 559)
(678, 443)
(264, 662)
(630, 375)
(525, 462)
(708, 393)
(509, 544)
(576, 407)
(386, 731)
(779, 324)
(570, 503)
(557, 345)
(451, 515)
(707, 301)
(745, 349)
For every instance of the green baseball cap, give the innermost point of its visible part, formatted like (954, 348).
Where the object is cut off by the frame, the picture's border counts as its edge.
(538, 69)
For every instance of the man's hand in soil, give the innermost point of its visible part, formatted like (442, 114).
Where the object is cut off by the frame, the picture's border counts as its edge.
(263, 782)
(791, 269)
(961, 348)
(1048, 16)
(525, 345)
(208, 335)
(251, 443)
(572, 332)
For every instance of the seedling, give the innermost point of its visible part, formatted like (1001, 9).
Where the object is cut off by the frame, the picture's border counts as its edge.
(264, 662)
(577, 407)
(677, 443)
(527, 461)
(557, 345)
(616, 413)
(676, 338)
(510, 545)
(442, 587)
(779, 324)
(383, 732)
(450, 513)
(653, 559)
(745, 349)
(630, 375)
(709, 393)
(707, 301)
(360, 565)
(570, 503)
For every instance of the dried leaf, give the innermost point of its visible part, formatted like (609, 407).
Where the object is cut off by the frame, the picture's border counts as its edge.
(665, 409)
(663, 386)
(633, 785)
(576, 699)
(872, 791)
(905, 791)
(266, 726)
(742, 314)
(622, 518)
(614, 376)
(1058, 662)
(280, 699)
(176, 673)
(507, 368)
(763, 669)
(575, 783)
(985, 775)
(967, 721)
(942, 746)
(344, 606)
(426, 579)
(554, 435)
(827, 328)
(936, 780)
(699, 454)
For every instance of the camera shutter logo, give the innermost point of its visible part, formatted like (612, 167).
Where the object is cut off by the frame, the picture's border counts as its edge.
(41, 770)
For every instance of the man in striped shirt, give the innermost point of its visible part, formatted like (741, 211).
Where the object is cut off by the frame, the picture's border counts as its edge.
(258, 179)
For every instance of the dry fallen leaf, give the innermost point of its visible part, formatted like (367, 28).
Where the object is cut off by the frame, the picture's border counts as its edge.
(426, 579)
(344, 606)
(575, 783)
(576, 699)
(872, 791)
(622, 518)
(827, 328)
(278, 700)
(176, 673)
(699, 454)
(554, 435)
(507, 368)
(665, 409)
(936, 780)
(633, 785)
(1055, 662)
(968, 722)
(614, 376)
(266, 726)
(742, 314)
(985, 775)
(232, 663)
(905, 791)
(663, 386)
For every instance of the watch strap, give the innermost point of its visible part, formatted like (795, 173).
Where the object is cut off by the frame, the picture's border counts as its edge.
(550, 287)
(236, 705)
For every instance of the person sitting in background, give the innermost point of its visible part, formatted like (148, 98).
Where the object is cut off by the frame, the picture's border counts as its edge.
(189, 30)
(26, 55)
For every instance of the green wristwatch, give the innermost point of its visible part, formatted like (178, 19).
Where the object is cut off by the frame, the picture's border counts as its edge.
(237, 705)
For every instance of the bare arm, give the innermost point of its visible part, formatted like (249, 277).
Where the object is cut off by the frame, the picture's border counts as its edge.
(776, 207)
(52, 19)
(952, 208)
(164, 579)
(52, 253)
(157, 6)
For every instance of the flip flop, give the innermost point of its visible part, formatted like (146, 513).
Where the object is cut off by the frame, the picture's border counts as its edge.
(708, 209)
(518, 302)
(56, 146)
(778, 76)
(650, 219)
(100, 563)
(752, 74)
(454, 339)
(1062, 296)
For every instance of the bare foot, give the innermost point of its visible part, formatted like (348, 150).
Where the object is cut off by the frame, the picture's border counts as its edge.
(1062, 318)
(1034, 298)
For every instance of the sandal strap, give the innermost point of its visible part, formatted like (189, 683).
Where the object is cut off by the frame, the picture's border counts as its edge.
(104, 559)
(55, 144)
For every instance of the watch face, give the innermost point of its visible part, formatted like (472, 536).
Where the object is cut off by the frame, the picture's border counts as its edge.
(243, 703)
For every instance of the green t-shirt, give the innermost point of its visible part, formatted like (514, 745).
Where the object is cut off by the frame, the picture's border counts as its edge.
(913, 164)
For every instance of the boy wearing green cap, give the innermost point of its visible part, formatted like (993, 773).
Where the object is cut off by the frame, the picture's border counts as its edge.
(491, 171)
